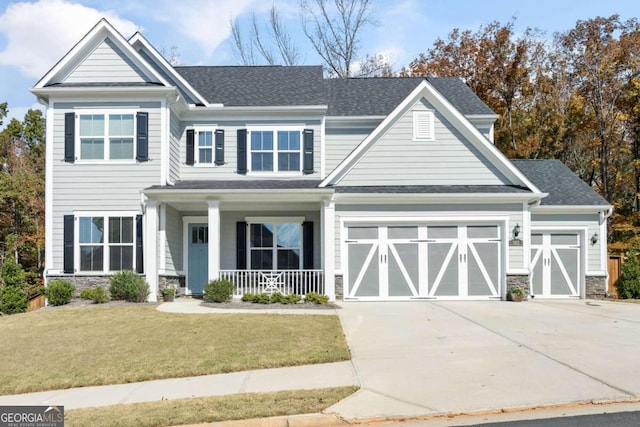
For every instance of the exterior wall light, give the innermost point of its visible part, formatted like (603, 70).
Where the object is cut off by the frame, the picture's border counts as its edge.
(516, 230)
(594, 238)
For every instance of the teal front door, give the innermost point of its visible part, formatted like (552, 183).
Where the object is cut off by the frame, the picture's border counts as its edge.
(198, 255)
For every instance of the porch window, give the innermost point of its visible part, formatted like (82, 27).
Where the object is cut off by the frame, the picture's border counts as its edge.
(275, 246)
(112, 254)
(275, 150)
(106, 136)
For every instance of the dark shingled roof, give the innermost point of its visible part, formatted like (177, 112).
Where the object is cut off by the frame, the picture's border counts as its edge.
(266, 184)
(437, 189)
(257, 86)
(305, 85)
(564, 187)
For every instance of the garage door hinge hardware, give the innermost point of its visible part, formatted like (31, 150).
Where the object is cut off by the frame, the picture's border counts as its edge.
(351, 241)
(423, 240)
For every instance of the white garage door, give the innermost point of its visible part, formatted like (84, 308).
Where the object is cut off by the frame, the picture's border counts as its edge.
(423, 261)
(555, 262)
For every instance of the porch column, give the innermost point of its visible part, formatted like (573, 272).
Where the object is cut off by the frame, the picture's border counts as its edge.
(214, 239)
(329, 255)
(151, 248)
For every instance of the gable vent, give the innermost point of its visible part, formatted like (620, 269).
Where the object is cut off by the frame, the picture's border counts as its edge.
(423, 125)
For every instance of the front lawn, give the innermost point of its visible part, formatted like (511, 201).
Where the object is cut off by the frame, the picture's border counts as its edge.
(73, 347)
(209, 409)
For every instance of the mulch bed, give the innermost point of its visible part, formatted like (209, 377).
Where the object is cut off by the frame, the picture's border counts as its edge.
(276, 306)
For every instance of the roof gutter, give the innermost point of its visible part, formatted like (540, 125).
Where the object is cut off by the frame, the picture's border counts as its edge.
(602, 209)
(433, 198)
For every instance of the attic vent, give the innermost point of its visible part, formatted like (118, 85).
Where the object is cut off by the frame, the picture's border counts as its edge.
(423, 125)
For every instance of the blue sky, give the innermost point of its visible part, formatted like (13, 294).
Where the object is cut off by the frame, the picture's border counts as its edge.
(34, 35)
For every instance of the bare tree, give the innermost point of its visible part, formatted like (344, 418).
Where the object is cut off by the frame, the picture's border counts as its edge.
(276, 48)
(335, 35)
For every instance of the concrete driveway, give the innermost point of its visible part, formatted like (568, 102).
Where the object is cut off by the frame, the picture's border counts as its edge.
(422, 358)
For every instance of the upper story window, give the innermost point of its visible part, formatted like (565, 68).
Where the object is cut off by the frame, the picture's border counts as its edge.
(106, 136)
(423, 126)
(275, 150)
(205, 146)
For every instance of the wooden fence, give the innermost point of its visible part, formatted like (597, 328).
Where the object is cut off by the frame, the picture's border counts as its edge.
(35, 303)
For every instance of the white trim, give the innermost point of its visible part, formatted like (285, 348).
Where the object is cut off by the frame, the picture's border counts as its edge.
(100, 31)
(48, 195)
(162, 236)
(424, 89)
(525, 232)
(186, 220)
(164, 141)
(150, 234)
(328, 247)
(323, 142)
(359, 198)
(604, 265)
(160, 60)
(213, 250)
(570, 209)
(273, 219)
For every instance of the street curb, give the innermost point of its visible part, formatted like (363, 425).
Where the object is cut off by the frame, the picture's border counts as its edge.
(305, 420)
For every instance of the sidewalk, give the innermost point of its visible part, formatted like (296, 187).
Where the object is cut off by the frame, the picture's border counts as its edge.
(265, 380)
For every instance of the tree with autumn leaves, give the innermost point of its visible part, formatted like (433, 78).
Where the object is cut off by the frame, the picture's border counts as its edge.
(22, 165)
(575, 97)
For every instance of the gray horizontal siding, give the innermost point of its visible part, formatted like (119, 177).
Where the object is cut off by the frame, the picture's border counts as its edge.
(106, 63)
(592, 221)
(174, 243)
(175, 133)
(229, 169)
(339, 143)
(396, 159)
(98, 187)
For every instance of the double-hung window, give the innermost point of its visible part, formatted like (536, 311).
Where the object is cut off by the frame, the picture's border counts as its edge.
(106, 243)
(204, 140)
(275, 150)
(106, 136)
(275, 245)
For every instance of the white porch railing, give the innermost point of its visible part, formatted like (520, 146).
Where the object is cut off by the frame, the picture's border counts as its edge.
(287, 282)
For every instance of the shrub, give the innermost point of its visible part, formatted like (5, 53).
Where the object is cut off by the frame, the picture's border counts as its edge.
(59, 292)
(316, 298)
(263, 299)
(277, 297)
(12, 300)
(628, 285)
(12, 273)
(219, 290)
(248, 297)
(98, 295)
(129, 286)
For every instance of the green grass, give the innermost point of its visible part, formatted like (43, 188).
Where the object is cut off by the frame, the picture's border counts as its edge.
(209, 409)
(73, 347)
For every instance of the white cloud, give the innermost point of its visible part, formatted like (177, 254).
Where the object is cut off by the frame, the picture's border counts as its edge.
(39, 34)
(207, 24)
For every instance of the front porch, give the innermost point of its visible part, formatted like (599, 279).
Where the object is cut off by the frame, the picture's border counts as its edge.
(262, 241)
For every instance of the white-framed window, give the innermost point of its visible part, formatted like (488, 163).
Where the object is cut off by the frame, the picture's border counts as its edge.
(105, 242)
(106, 135)
(275, 149)
(275, 243)
(423, 126)
(204, 146)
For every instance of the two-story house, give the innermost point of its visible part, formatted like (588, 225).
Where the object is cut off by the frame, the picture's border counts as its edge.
(280, 179)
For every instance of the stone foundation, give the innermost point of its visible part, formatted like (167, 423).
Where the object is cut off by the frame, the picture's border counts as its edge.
(519, 281)
(84, 282)
(595, 287)
(339, 287)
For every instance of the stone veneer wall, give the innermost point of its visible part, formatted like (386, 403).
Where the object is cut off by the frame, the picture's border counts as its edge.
(595, 287)
(84, 282)
(339, 287)
(518, 281)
